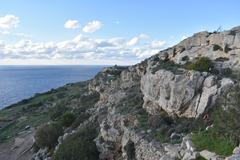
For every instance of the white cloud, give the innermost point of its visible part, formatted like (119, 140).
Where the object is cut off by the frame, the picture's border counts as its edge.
(71, 24)
(80, 49)
(9, 21)
(135, 40)
(92, 26)
(158, 44)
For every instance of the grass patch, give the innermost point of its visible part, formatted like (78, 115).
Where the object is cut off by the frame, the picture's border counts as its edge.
(17, 126)
(213, 142)
(39, 109)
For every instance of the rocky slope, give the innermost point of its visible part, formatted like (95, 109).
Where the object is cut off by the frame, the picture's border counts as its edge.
(148, 111)
(178, 92)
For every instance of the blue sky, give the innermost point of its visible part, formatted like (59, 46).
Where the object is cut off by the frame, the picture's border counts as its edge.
(121, 32)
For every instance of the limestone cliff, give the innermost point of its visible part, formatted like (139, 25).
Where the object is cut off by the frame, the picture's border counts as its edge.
(174, 90)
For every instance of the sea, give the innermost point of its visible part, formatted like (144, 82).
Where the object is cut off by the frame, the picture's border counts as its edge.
(22, 82)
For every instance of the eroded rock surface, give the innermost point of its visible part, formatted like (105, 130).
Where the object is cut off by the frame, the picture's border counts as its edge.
(185, 94)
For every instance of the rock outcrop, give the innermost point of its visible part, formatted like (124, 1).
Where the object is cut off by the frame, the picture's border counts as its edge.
(185, 94)
(221, 46)
(172, 89)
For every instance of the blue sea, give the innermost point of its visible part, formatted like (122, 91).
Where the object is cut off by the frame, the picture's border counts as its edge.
(21, 82)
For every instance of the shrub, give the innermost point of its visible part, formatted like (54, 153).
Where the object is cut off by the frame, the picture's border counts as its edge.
(67, 119)
(80, 119)
(57, 111)
(155, 121)
(166, 64)
(217, 47)
(203, 64)
(47, 135)
(185, 58)
(78, 146)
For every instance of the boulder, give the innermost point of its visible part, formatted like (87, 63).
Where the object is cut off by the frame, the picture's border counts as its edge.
(209, 155)
(185, 94)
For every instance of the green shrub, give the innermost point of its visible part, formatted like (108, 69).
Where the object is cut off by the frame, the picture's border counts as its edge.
(67, 119)
(57, 111)
(213, 141)
(80, 119)
(79, 146)
(217, 47)
(202, 64)
(166, 64)
(47, 135)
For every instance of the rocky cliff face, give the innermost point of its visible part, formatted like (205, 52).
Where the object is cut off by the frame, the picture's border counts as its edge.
(178, 92)
(224, 47)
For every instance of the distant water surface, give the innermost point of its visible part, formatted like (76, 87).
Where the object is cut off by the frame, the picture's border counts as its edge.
(21, 82)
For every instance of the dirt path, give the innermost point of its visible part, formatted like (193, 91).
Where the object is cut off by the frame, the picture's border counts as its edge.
(20, 149)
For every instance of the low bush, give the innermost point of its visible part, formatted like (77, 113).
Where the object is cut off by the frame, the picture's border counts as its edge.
(47, 135)
(216, 47)
(79, 146)
(166, 64)
(57, 111)
(67, 119)
(80, 119)
(202, 64)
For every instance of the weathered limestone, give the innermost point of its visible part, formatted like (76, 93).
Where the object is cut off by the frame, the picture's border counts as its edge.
(210, 155)
(202, 44)
(186, 94)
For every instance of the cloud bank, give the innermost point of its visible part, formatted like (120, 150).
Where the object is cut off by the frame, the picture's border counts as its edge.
(81, 48)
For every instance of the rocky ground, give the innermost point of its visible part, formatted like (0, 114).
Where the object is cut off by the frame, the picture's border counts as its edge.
(160, 108)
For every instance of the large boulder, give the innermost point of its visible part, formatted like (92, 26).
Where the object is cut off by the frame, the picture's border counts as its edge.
(187, 93)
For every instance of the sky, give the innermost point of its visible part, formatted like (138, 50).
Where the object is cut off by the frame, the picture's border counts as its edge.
(106, 32)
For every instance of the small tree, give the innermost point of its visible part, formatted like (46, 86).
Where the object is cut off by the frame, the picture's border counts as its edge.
(79, 146)
(67, 119)
(47, 135)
